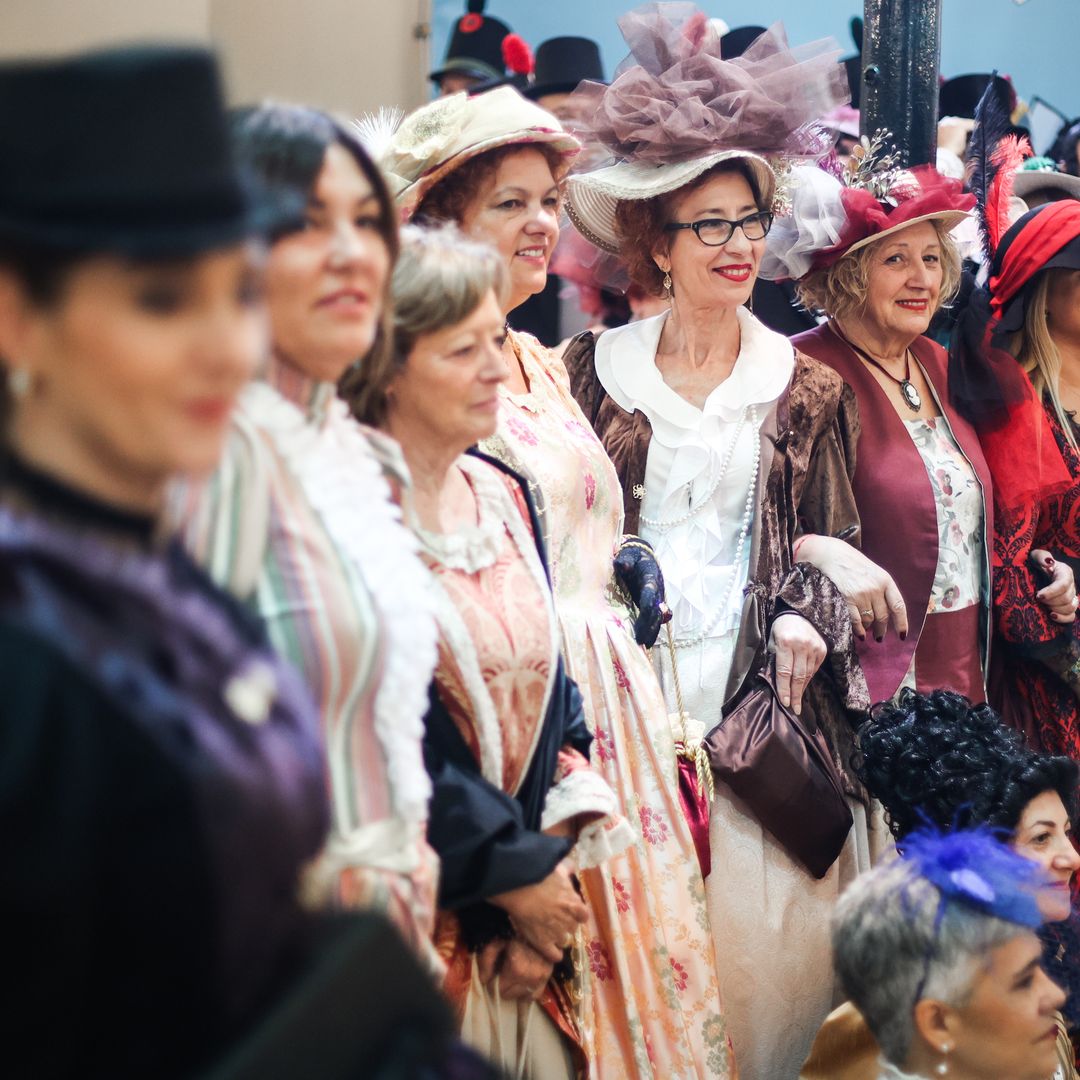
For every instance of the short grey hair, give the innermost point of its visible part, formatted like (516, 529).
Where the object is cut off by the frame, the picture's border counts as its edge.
(439, 279)
(891, 948)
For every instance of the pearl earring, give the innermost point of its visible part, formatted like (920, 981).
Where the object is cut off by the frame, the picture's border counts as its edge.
(942, 1067)
(667, 283)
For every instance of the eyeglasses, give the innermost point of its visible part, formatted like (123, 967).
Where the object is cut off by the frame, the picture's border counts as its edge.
(716, 232)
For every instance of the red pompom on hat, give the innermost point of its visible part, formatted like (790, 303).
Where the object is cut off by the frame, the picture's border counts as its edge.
(517, 55)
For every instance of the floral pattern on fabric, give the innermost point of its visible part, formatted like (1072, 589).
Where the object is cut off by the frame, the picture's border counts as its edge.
(648, 933)
(959, 577)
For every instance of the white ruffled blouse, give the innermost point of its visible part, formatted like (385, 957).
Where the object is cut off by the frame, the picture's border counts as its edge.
(696, 544)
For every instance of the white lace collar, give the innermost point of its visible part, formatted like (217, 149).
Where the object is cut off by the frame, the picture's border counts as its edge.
(332, 461)
(474, 547)
(626, 367)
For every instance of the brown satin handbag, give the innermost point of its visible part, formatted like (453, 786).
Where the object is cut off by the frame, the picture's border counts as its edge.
(781, 766)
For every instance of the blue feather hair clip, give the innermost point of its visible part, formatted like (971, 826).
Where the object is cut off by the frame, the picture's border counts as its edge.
(972, 867)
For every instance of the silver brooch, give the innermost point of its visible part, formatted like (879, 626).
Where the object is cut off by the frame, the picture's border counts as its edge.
(639, 491)
(251, 693)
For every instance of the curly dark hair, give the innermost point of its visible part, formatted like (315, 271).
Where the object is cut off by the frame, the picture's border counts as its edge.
(937, 759)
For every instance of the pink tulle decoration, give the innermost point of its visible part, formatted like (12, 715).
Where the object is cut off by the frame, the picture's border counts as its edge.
(673, 98)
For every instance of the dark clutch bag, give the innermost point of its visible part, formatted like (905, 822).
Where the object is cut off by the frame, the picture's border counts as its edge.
(780, 765)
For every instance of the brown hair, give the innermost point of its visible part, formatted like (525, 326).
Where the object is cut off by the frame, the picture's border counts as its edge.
(449, 199)
(440, 279)
(840, 291)
(640, 224)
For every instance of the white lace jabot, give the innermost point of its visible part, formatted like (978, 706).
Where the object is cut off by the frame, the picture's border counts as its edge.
(698, 458)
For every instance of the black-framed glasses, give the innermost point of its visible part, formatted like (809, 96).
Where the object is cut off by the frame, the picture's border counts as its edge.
(716, 232)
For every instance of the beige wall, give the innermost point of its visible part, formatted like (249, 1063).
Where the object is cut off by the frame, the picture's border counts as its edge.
(37, 27)
(347, 55)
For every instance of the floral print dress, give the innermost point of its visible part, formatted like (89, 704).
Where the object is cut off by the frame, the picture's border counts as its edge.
(956, 599)
(651, 1004)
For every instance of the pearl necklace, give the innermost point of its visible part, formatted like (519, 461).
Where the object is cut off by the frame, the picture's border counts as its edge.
(744, 532)
(729, 453)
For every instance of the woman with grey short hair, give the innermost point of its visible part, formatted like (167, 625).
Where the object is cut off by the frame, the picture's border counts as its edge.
(939, 953)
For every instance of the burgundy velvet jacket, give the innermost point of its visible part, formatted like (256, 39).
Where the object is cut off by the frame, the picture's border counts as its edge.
(807, 457)
(894, 496)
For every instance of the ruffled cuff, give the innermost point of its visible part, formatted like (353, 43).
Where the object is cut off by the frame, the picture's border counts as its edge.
(583, 792)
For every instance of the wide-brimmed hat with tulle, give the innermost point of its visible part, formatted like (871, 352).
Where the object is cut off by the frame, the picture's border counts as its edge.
(417, 152)
(676, 109)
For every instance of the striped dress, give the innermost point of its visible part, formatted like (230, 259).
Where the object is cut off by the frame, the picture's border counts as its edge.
(301, 522)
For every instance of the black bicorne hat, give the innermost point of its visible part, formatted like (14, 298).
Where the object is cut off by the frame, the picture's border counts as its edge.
(562, 63)
(959, 96)
(124, 149)
(475, 46)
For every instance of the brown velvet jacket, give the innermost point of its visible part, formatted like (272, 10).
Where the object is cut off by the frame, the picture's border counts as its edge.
(807, 458)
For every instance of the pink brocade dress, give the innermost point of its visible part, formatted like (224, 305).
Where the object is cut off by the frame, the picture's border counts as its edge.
(651, 1000)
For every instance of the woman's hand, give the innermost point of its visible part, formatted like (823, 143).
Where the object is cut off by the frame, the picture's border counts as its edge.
(872, 597)
(546, 914)
(523, 973)
(799, 650)
(1060, 595)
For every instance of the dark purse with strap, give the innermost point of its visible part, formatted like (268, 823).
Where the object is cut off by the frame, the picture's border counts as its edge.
(781, 766)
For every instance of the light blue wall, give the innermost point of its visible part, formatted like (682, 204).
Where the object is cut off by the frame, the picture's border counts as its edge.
(1036, 43)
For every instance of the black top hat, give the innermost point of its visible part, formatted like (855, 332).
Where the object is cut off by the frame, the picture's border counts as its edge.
(960, 95)
(562, 63)
(119, 150)
(475, 46)
(736, 42)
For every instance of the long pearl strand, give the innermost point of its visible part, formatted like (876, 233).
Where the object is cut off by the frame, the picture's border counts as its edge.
(729, 453)
(744, 532)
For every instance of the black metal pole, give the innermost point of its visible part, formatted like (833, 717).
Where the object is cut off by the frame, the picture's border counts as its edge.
(900, 59)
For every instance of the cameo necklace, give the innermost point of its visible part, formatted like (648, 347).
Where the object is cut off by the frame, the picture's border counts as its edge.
(912, 397)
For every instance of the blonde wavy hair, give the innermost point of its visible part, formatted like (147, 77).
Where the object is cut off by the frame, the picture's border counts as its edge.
(841, 290)
(1034, 348)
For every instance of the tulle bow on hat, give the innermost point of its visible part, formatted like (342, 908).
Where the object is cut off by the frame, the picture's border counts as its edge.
(673, 98)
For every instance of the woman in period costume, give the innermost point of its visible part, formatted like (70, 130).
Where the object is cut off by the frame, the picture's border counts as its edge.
(506, 741)
(494, 164)
(938, 950)
(937, 759)
(728, 443)
(301, 520)
(873, 253)
(162, 783)
(1016, 363)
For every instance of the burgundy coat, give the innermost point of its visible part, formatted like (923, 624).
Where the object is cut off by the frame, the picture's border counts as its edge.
(894, 496)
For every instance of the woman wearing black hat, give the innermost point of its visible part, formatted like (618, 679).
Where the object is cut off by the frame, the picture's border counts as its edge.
(162, 782)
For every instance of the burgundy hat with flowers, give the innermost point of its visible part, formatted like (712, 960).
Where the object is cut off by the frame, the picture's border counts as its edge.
(834, 214)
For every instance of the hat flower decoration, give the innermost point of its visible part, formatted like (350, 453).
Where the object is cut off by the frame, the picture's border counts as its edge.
(873, 196)
(416, 152)
(675, 108)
